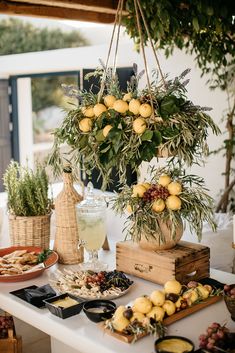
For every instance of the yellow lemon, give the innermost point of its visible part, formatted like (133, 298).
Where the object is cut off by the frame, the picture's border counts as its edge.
(129, 208)
(173, 203)
(109, 101)
(120, 324)
(164, 180)
(120, 106)
(139, 125)
(85, 125)
(138, 317)
(157, 297)
(172, 286)
(134, 106)
(158, 206)
(145, 110)
(88, 112)
(174, 188)
(106, 130)
(147, 185)
(169, 307)
(157, 313)
(142, 305)
(127, 97)
(99, 109)
(138, 190)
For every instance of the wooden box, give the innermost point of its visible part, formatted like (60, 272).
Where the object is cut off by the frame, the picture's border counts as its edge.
(185, 262)
(12, 344)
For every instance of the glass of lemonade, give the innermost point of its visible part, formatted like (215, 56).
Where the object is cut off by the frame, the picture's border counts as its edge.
(91, 221)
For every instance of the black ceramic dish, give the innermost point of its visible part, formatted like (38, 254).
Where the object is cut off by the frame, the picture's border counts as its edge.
(35, 295)
(158, 341)
(61, 312)
(99, 310)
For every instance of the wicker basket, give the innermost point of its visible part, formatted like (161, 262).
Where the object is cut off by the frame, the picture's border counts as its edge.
(30, 231)
(66, 237)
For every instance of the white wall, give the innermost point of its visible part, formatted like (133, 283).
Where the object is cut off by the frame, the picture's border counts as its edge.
(87, 57)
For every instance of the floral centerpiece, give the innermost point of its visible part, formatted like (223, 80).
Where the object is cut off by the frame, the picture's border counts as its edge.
(158, 209)
(115, 128)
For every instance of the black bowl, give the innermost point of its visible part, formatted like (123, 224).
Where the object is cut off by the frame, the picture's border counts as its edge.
(99, 310)
(64, 313)
(184, 339)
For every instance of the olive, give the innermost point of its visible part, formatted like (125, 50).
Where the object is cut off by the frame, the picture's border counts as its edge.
(172, 297)
(128, 313)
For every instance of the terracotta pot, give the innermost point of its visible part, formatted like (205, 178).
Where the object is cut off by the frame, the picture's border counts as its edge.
(150, 243)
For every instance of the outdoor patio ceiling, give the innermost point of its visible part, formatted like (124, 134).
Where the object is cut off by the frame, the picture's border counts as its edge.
(102, 11)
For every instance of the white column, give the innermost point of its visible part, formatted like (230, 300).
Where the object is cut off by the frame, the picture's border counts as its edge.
(25, 121)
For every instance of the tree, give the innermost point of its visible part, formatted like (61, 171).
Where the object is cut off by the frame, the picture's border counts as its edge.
(17, 37)
(205, 28)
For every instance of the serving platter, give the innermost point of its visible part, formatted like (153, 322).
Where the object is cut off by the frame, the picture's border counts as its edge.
(166, 322)
(27, 275)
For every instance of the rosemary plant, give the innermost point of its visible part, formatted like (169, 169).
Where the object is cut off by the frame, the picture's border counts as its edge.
(151, 204)
(27, 190)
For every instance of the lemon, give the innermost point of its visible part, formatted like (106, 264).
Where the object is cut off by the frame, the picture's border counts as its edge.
(106, 130)
(138, 317)
(134, 106)
(147, 185)
(139, 125)
(145, 110)
(88, 112)
(138, 190)
(169, 307)
(109, 101)
(164, 180)
(99, 109)
(157, 297)
(156, 313)
(173, 203)
(142, 305)
(174, 188)
(85, 125)
(129, 208)
(158, 205)
(127, 97)
(172, 286)
(120, 106)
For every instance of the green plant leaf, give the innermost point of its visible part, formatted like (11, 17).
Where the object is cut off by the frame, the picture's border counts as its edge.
(100, 136)
(147, 135)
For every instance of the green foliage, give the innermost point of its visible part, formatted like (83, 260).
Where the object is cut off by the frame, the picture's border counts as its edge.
(176, 124)
(18, 37)
(203, 27)
(27, 190)
(196, 207)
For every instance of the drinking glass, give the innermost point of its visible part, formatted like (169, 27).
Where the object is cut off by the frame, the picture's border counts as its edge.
(91, 221)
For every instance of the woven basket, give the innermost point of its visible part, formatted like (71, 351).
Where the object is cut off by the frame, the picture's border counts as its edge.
(67, 237)
(30, 231)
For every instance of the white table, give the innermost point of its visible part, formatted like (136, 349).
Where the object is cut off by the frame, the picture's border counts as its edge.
(78, 334)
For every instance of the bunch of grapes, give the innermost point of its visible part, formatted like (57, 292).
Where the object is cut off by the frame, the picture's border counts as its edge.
(6, 322)
(215, 337)
(229, 290)
(156, 191)
(95, 278)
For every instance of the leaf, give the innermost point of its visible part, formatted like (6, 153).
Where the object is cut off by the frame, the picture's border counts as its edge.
(100, 136)
(157, 138)
(196, 24)
(147, 135)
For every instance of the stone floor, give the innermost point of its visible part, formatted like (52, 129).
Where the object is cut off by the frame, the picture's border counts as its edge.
(34, 341)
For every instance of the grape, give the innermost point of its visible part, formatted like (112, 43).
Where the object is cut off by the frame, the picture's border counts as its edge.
(210, 346)
(227, 287)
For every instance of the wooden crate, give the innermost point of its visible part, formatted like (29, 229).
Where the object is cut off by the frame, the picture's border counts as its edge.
(12, 344)
(185, 262)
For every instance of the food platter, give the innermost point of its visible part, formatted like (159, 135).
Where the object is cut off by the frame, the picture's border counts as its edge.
(80, 284)
(30, 273)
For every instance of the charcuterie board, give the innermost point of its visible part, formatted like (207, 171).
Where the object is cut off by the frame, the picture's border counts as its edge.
(166, 322)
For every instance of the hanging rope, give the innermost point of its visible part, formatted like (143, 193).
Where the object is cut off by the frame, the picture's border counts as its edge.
(152, 45)
(102, 85)
(118, 36)
(144, 56)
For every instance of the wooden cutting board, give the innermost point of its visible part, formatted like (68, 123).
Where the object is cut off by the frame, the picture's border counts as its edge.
(168, 321)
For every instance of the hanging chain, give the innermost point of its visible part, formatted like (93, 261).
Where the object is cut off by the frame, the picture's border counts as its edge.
(144, 56)
(152, 45)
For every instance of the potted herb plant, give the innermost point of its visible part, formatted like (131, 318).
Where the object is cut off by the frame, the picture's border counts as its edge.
(28, 205)
(159, 209)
